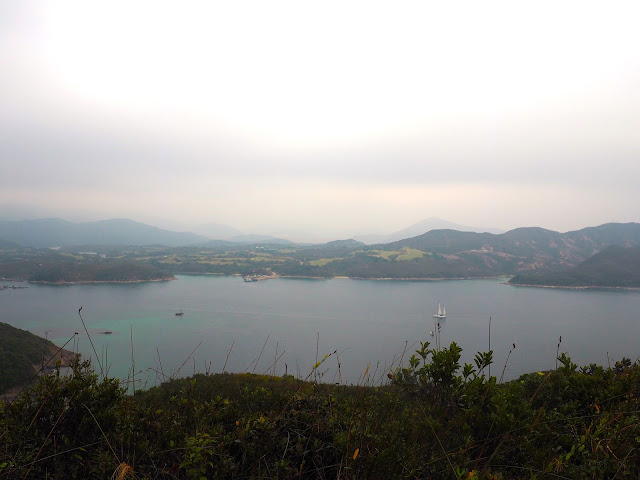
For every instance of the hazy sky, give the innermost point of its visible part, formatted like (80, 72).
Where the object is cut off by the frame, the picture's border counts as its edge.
(335, 117)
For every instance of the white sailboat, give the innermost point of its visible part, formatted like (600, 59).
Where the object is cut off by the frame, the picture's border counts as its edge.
(442, 312)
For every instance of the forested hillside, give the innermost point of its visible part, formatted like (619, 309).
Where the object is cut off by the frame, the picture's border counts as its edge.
(433, 255)
(613, 267)
(23, 354)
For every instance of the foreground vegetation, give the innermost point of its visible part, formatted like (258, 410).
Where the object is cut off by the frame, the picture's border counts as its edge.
(434, 419)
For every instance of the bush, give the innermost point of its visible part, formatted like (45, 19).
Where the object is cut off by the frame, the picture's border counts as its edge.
(436, 419)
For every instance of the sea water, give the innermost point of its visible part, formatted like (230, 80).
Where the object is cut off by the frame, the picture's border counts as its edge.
(364, 328)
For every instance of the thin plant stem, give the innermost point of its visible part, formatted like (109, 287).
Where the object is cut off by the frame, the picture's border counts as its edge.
(489, 344)
(315, 371)
(187, 359)
(90, 341)
(133, 361)
(255, 362)
(159, 361)
(228, 354)
(274, 362)
(505, 363)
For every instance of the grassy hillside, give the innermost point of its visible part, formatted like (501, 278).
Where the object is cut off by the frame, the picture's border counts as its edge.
(432, 419)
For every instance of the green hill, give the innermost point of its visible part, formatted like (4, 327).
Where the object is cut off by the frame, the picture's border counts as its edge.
(444, 241)
(435, 254)
(22, 355)
(613, 267)
(523, 249)
(49, 266)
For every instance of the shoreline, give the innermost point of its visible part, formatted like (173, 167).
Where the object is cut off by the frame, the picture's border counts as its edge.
(422, 279)
(569, 287)
(90, 282)
(310, 277)
(401, 279)
(345, 277)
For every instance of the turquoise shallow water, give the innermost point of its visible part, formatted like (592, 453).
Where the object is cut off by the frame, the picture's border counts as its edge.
(278, 325)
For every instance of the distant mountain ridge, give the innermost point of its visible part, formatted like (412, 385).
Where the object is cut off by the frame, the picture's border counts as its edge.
(6, 244)
(53, 232)
(419, 228)
(217, 231)
(615, 266)
(525, 248)
(255, 238)
(436, 254)
(348, 243)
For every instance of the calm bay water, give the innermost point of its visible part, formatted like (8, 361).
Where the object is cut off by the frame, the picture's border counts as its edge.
(250, 325)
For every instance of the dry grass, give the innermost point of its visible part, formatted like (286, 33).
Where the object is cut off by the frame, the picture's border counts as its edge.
(410, 254)
(321, 262)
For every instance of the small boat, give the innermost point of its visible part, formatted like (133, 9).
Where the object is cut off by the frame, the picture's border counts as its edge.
(179, 314)
(106, 332)
(250, 278)
(442, 312)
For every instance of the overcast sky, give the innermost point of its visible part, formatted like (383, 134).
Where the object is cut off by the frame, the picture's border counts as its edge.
(332, 118)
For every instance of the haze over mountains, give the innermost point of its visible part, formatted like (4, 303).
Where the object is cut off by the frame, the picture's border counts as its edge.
(217, 231)
(426, 225)
(429, 234)
(131, 251)
(52, 232)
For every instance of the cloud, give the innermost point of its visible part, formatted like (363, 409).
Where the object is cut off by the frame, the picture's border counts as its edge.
(203, 108)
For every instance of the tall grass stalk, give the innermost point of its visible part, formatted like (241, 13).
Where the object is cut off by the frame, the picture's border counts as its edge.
(226, 360)
(133, 360)
(489, 345)
(159, 361)
(177, 372)
(317, 348)
(273, 365)
(91, 341)
(102, 432)
(505, 363)
(275, 362)
(256, 360)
